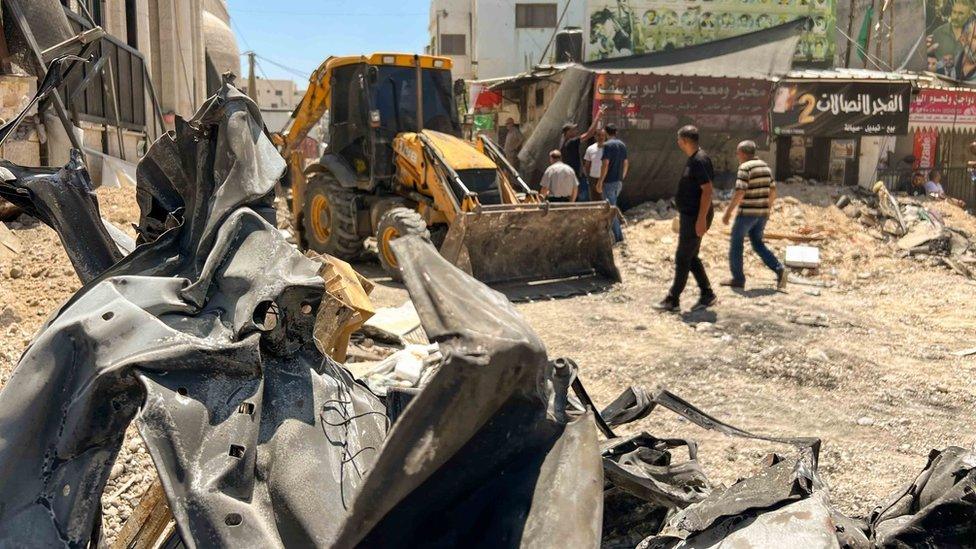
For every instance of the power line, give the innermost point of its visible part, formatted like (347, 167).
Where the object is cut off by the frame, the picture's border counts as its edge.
(332, 14)
(296, 72)
(241, 34)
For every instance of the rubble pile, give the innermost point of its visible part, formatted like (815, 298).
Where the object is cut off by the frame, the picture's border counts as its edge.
(914, 228)
(216, 337)
(848, 230)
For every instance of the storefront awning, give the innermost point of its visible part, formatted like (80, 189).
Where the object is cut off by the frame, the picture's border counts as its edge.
(943, 110)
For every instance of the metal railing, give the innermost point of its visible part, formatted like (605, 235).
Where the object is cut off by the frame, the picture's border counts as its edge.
(90, 94)
(958, 182)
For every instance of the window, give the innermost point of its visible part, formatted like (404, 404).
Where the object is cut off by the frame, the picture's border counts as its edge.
(274, 105)
(535, 16)
(540, 97)
(131, 24)
(453, 44)
(279, 93)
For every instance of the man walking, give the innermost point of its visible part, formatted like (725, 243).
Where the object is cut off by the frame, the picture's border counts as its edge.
(612, 174)
(755, 192)
(694, 202)
(559, 182)
(572, 155)
(593, 164)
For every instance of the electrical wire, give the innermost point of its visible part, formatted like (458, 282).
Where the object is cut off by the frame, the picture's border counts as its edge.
(296, 72)
(867, 55)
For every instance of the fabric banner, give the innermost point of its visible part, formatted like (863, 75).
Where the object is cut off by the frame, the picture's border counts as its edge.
(837, 109)
(926, 142)
(655, 102)
(949, 38)
(629, 27)
(943, 110)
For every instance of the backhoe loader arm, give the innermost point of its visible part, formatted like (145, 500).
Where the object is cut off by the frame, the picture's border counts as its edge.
(309, 111)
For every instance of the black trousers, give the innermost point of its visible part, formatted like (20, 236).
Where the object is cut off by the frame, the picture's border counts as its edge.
(686, 257)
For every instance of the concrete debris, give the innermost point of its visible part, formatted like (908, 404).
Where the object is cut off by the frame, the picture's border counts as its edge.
(397, 325)
(803, 257)
(409, 367)
(10, 244)
(912, 226)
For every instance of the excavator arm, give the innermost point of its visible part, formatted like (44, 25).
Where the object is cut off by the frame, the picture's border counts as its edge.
(305, 116)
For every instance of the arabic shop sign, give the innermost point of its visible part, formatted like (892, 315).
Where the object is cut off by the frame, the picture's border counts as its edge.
(654, 102)
(837, 109)
(943, 109)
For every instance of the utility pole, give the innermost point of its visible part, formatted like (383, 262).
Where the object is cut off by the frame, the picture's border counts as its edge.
(891, 35)
(867, 41)
(252, 80)
(850, 33)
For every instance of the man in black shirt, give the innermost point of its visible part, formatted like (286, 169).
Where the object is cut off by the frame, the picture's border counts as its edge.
(573, 154)
(694, 202)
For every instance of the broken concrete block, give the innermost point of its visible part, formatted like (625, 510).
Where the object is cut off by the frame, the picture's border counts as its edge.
(802, 257)
(919, 235)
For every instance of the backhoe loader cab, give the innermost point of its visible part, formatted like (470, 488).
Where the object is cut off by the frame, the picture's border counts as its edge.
(396, 165)
(374, 103)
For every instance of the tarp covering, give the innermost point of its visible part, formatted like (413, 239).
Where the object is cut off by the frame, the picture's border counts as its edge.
(655, 161)
(759, 54)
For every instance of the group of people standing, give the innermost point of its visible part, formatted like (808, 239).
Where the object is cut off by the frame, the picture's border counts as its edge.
(599, 174)
(594, 175)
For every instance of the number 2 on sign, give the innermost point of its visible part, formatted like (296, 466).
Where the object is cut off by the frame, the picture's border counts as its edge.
(808, 102)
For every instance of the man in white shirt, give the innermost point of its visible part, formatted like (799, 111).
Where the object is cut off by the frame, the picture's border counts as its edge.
(593, 164)
(559, 182)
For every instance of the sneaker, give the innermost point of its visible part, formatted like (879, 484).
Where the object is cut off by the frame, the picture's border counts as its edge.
(667, 305)
(781, 278)
(705, 301)
(732, 283)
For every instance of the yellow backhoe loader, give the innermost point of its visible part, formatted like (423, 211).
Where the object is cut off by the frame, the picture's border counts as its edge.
(396, 165)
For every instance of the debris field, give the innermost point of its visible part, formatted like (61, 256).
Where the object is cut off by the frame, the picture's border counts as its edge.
(862, 367)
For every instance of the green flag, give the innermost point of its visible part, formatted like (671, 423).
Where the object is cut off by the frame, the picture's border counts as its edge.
(862, 37)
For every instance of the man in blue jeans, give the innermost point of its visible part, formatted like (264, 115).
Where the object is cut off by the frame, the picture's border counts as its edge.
(755, 192)
(615, 166)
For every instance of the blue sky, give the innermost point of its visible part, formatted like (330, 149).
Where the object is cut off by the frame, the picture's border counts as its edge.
(300, 34)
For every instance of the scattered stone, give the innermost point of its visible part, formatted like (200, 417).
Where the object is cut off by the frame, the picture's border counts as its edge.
(16, 272)
(818, 355)
(817, 320)
(640, 328)
(813, 291)
(705, 327)
(865, 421)
(117, 470)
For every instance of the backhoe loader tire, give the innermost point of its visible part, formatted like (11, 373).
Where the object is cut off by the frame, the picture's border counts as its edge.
(329, 218)
(395, 223)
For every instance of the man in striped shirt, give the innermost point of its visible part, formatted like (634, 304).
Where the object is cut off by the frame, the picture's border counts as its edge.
(755, 192)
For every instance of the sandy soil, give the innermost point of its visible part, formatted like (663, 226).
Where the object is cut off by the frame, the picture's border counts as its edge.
(878, 383)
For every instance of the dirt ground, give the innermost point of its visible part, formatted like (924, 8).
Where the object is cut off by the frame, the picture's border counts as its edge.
(874, 377)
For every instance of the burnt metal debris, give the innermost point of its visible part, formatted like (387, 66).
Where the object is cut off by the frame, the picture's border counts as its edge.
(206, 334)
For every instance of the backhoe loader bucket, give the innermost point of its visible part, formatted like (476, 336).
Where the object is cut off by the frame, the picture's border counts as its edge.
(536, 250)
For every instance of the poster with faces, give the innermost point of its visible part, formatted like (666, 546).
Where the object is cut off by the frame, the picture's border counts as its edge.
(627, 27)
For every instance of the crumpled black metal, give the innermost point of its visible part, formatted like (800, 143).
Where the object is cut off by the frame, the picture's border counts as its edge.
(205, 331)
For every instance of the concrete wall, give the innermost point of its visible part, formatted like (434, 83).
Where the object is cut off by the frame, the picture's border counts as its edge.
(495, 47)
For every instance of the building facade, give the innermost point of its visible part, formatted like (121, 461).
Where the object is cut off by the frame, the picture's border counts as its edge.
(495, 38)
